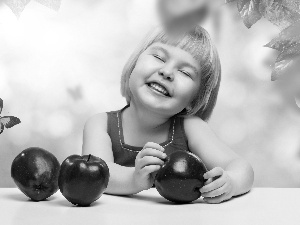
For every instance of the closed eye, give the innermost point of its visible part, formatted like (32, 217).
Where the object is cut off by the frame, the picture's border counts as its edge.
(159, 58)
(185, 73)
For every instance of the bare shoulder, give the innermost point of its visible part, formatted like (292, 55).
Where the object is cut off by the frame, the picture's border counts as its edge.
(193, 123)
(96, 140)
(197, 130)
(97, 121)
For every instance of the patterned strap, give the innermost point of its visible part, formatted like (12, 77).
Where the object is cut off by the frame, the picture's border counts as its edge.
(120, 138)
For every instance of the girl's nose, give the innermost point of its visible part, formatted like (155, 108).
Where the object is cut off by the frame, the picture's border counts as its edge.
(166, 73)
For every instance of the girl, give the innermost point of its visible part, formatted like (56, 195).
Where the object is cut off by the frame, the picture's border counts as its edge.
(171, 86)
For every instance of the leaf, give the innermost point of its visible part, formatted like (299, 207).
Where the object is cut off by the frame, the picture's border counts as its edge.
(250, 11)
(279, 44)
(288, 44)
(292, 4)
(16, 6)
(289, 53)
(279, 68)
(52, 4)
(286, 38)
(285, 60)
(286, 15)
(279, 12)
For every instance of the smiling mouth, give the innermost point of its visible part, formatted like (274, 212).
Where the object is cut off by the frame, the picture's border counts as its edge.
(159, 88)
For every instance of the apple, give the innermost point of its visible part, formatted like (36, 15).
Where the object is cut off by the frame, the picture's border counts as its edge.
(83, 179)
(181, 177)
(35, 172)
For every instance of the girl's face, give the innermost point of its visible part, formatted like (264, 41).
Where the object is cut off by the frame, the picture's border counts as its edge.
(165, 79)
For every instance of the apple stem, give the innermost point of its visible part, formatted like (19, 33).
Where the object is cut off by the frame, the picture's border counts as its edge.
(89, 157)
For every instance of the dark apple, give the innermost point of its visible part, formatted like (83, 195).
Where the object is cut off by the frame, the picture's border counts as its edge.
(181, 177)
(35, 172)
(83, 179)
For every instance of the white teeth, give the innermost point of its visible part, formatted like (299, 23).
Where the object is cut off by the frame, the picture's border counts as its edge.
(159, 88)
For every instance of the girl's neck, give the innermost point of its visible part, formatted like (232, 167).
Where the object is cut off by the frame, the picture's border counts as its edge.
(143, 119)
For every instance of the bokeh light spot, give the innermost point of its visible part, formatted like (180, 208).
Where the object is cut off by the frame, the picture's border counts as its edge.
(60, 124)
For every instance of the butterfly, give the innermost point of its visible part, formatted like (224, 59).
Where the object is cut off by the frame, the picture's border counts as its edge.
(7, 121)
(75, 93)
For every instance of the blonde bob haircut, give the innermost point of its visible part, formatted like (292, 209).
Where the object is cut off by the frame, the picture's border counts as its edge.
(198, 43)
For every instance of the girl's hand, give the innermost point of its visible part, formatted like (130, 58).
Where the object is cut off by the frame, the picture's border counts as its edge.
(219, 187)
(147, 163)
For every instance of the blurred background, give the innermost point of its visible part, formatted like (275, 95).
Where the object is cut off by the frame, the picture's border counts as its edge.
(59, 68)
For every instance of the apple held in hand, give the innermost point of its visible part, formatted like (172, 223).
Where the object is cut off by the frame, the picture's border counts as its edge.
(181, 177)
(35, 172)
(83, 179)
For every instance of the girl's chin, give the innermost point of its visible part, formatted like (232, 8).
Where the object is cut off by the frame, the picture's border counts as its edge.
(154, 105)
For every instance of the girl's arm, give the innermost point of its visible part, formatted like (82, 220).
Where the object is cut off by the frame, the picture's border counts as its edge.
(123, 180)
(228, 174)
(96, 141)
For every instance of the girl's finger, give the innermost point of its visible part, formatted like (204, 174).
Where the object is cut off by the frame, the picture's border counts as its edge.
(218, 199)
(150, 169)
(154, 145)
(152, 152)
(149, 160)
(217, 192)
(217, 171)
(213, 185)
(208, 181)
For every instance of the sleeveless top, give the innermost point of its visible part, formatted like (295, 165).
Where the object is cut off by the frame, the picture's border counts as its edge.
(125, 154)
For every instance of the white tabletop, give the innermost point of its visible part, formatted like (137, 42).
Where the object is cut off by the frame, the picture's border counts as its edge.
(260, 206)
